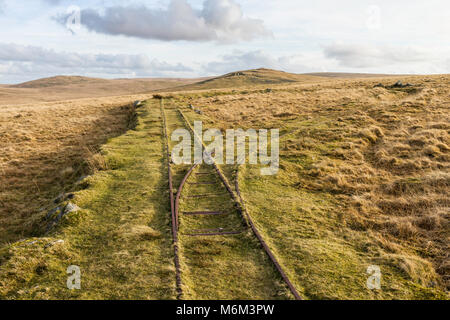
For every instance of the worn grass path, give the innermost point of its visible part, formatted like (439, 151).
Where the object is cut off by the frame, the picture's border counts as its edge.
(221, 266)
(121, 237)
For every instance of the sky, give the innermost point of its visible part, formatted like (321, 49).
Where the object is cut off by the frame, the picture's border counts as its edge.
(193, 38)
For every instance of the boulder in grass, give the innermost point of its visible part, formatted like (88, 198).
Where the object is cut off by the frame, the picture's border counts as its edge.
(70, 207)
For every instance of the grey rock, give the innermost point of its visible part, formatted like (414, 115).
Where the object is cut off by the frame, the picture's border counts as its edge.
(70, 207)
(51, 244)
(52, 212)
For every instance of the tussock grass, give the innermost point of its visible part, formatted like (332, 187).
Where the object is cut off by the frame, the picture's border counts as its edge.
(363, 180)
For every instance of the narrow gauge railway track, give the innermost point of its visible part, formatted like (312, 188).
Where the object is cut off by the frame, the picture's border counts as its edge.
(172, 209)
(213, 237)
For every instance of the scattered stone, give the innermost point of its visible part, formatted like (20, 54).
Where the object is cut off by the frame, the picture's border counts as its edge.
(191, 106)
(81, 180)
(396, 85)
(198, 112)
(137, 104)
(51, 244)
(399, 84)
(70, 207)
(63, 197)
(52, 212)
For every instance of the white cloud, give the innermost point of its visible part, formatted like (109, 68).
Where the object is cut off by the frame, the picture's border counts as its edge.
(38, 61)
(388, 58)
(53, 2)
(219, 20)
(364, 56)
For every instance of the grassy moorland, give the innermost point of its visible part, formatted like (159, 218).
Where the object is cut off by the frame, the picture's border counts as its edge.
(62, 88)
(363, 180)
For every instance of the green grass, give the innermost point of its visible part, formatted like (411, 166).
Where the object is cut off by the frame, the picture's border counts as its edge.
(120, 239)
(325, 259)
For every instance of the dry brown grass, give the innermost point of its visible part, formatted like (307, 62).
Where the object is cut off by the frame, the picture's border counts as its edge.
(383, 152)
(68, 88)
(45, 149)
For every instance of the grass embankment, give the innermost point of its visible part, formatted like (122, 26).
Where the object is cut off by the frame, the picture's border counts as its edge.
(120, 238)
(44, 149)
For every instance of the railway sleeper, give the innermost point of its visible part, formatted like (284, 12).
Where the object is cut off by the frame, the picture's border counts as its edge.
(213, 213)
(214, 233)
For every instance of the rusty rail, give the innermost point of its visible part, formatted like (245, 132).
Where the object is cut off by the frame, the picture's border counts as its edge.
(237, 197)
(180, 190)
(264, 244)
(172, 206)
(221, 176)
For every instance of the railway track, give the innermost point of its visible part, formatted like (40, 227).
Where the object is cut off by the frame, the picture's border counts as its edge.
(211, 226)
(172, 208)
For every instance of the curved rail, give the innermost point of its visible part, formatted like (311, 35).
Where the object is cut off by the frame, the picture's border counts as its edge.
(172, 206)
(237, 197)
(264, 244)
(180, 190)
(221, 175)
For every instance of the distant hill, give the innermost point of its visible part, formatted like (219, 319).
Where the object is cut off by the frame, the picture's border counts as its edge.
(59, 81)
(76, 87)
(249, 78)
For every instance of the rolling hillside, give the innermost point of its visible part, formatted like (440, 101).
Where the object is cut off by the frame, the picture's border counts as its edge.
(249, 78)
(363, 181)
(73, 87)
